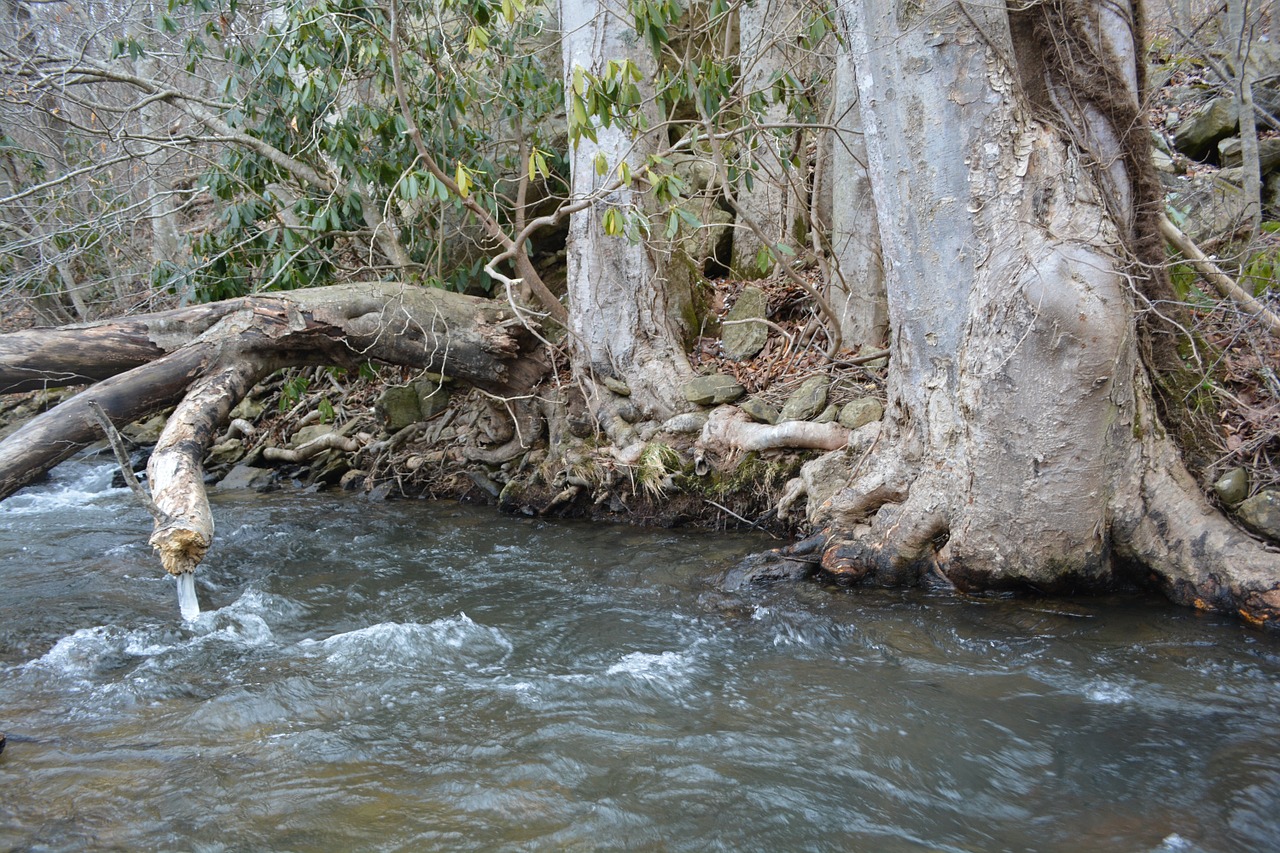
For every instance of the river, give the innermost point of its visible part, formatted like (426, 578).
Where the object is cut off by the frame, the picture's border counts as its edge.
(432, 676)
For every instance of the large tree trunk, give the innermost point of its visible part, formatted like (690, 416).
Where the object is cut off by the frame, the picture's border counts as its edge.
(624, 319)
(1021, 447)
(204, 359)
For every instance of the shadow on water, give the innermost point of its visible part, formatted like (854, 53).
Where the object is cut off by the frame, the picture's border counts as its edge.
(424, 676)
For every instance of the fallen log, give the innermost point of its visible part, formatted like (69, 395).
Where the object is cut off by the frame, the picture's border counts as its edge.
(205, 359)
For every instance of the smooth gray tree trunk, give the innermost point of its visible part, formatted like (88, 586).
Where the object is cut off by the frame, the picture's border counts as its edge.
(624, 320)
(1020, 447)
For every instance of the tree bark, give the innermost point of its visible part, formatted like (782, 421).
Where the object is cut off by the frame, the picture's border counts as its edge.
(1020, 447)
(624, 319)
(857, 294)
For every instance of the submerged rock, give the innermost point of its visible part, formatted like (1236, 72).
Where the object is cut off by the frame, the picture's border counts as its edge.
(1261, 513)
(713, 390)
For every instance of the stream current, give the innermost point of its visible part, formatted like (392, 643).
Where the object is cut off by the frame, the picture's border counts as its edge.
(431, 676)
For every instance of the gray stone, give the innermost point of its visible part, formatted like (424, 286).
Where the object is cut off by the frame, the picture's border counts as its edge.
(228, 451)
(246, 477)
(617, 386)
(687, 423)
(1268, 153)
(742, 338)
(248, 409)
(433, 398)
(713, 390)
(808, 400)
(1232, 487)
(860, 412)
(145, 432)
(310, 433)
(398, 407)
(1261, 513)
(829, 414)
(759, 410)
(1199, 132)
(352, 480)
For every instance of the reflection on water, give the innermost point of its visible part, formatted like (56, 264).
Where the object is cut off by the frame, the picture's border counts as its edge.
(420, 676)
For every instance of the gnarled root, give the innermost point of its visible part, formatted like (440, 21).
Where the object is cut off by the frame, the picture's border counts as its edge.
(1192, 551)
(730, 428)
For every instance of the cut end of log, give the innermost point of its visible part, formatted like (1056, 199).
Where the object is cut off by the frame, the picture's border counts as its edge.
(181, 549)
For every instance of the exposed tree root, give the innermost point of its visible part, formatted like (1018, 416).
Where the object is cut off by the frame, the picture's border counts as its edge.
(729, 428)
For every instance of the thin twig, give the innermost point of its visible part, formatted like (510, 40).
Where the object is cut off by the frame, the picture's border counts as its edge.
(126, 468)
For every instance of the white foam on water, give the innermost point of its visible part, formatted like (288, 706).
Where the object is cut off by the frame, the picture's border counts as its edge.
(1108, 694)
(456, 641)
(667, 667)
(70, 486)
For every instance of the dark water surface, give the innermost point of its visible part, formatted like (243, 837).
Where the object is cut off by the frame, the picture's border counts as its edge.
(425, 676)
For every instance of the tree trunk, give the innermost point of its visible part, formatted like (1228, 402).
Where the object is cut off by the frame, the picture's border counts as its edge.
(624, 319)
(857, 291)
(1020, 447)
(765, 30)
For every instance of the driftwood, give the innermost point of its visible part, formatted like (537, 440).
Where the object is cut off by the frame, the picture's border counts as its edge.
(205, 359)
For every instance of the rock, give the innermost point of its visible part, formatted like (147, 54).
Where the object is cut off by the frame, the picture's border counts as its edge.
(1204, 128)
(1210, 204)
(617, 386)
(628, 411)
(226, 452)
(687, 423)
(809, 399)
(1261, 513)
(1232, 487)
(398, 407)
(1268, 153)
(759, 410)
(742, 340)
(433, 397)
(145, 432)
(1163, 162)
(713, 390)
(309, 433)
(352, 480)
(829, 414)
(248, 409)
(246, 477)
(860, 412)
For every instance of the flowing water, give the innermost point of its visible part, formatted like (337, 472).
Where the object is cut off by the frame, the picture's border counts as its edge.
(426, 676)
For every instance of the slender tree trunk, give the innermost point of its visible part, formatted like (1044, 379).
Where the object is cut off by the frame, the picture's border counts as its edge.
(625, 320)
(1240, 33)
(765, 30)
